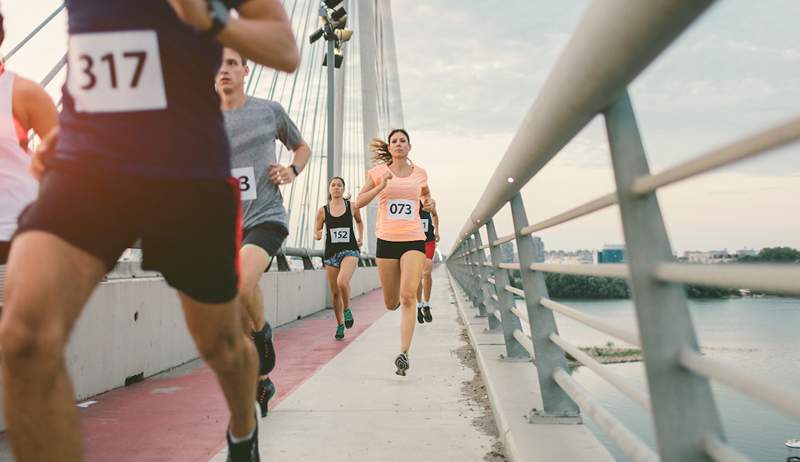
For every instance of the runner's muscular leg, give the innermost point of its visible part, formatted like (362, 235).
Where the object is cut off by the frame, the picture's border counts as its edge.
(253, 261)
(333, 273)
(345, 275)
(220, 337)
(411, 264)
(389, 272)
(427, 279)
(42, 304)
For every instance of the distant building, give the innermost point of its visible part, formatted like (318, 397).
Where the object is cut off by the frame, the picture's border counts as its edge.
(507, 254)
(746, 253)
(611, 254)
(709, 257)
(538, 250)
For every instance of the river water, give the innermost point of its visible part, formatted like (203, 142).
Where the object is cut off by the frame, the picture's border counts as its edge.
(761, 335)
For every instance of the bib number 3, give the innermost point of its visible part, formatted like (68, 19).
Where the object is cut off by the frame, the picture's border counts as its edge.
(116, 72)
(247, 182)
(401, 209)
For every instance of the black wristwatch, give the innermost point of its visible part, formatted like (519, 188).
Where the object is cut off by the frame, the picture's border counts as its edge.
(219, 14)
(295, 170)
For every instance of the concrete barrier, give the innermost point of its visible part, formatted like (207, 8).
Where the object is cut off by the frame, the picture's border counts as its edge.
(134, 326)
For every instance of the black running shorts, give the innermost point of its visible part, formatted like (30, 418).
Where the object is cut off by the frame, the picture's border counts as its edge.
(189, 228)
(268, 236)
(395, 250)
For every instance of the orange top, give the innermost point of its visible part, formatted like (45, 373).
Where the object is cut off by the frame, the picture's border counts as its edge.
(398, 207)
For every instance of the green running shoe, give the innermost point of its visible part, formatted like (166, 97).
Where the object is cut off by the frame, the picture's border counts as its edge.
(339, 332)
(348, 318)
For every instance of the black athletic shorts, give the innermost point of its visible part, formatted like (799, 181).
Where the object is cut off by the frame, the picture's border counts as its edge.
(268, 236)
(189, 229)
(395, 250)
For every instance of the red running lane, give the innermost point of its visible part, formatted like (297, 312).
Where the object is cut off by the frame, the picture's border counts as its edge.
(184, 418)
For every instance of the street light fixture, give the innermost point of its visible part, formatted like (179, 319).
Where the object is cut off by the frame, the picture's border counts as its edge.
(333, 22)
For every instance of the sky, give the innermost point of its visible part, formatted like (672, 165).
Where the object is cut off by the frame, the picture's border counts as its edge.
(470, 70)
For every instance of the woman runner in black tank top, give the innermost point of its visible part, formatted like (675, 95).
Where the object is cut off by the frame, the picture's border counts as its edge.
(429, 221)
(341, 250)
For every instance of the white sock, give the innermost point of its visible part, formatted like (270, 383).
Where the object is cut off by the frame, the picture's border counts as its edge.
(426, 304)
(419, 305)
(237, 440)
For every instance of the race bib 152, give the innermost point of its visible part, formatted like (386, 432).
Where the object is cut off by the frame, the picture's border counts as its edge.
(340, 235)
(246, 177)
(116, 72)
(400, 209)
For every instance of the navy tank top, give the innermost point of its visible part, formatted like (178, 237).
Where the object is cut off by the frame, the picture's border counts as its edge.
(340, 231)
(427, 224)
(139, 97)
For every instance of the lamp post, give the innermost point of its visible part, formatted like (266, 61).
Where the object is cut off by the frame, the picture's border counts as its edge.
(332, 27)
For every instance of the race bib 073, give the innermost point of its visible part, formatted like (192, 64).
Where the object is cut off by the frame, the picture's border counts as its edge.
(425, 225)
(340, 235)
(116, 72)
(247, 182)
(400, 209)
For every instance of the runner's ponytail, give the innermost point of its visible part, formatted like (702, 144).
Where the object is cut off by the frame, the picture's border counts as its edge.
(381, 148)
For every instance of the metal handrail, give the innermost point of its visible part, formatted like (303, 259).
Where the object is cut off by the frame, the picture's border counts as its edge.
(525, 341)
(614, 379)
(721, 452)
(592, 321)
(582, 210)
(521, 315)
(745, 148)
(774, 279)
(629, 443)
(515, 291)
(780, 397)
(611, 270)
(591, 77)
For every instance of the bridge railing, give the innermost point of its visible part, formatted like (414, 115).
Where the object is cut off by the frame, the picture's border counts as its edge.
(615, 41)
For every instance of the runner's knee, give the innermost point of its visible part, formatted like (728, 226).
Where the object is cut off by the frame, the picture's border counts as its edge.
(408, 298)
(31, 344)
(225, 350)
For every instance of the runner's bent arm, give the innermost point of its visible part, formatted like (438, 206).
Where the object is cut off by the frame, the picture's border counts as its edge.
(283, 174)
(359, 225)
(370, 190)
(427, 202)
(40, 112)
(320, 222)
(261, 32)
(435, 220)
(41, 116)
(290, 136)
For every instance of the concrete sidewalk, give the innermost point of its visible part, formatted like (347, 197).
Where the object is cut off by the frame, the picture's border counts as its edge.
(356, 409)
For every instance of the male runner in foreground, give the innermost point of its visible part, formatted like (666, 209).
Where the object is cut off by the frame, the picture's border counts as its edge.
(142, 142)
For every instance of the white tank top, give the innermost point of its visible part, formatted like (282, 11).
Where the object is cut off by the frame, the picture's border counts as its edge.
(17, 187)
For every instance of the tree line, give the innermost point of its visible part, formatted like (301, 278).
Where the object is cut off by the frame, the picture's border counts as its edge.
(573, 286)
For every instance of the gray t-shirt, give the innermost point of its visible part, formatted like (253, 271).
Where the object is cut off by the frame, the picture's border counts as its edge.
(252, 130)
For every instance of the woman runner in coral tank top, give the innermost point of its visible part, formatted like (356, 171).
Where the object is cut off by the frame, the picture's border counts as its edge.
(399, 186)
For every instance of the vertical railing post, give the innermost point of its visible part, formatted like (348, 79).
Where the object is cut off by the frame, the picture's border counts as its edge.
(683, 405)
(475, 278)
(547, 355)
(484, 273)
(468, 275)
(505, 301)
